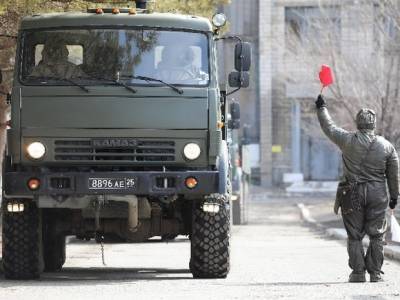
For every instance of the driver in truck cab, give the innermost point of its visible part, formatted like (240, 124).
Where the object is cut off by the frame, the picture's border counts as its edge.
(54, 63)
(178, 64)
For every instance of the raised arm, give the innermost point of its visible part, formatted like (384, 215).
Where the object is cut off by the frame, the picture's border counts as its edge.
(336, 134)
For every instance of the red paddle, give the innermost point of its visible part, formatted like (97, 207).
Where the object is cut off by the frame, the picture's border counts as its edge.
(325, 76)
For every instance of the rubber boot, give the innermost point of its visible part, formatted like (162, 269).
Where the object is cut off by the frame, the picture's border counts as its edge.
(375, 277)
(357, 277)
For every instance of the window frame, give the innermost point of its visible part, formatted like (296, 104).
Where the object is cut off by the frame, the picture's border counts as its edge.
(151, 84)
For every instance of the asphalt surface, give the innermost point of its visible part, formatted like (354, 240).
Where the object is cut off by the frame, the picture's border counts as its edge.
(275, 256)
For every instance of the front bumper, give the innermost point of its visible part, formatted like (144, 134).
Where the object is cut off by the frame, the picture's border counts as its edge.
(77, 183)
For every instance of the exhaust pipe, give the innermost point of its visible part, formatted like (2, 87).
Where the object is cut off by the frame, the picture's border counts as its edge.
(133, 214)
(141, 4)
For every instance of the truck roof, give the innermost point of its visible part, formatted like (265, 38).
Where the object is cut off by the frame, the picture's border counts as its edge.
(80, 19)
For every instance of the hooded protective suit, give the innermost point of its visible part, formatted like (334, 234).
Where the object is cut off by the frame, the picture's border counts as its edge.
(380, 166)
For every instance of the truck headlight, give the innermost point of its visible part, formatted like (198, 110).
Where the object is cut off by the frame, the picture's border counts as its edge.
(192, 151)
(36, 150)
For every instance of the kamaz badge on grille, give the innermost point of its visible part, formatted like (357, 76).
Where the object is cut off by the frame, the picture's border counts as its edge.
(114, 143)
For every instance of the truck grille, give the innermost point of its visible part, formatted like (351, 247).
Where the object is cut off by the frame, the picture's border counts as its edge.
(142, 151)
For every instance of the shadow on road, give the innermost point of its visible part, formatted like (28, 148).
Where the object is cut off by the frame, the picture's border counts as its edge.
(289, 284)
(116, 274)
(105, 275)
(157, 240)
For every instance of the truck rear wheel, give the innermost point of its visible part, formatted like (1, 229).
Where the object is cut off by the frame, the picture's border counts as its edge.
(22, 257)
(210, 241)
(54, 247)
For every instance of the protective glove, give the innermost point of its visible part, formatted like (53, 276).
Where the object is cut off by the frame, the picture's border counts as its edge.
(320, 102)
(393, 203)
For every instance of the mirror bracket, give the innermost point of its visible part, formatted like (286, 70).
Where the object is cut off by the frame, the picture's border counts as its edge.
(229, 37)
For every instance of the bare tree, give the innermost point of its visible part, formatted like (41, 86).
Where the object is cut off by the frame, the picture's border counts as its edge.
(361, 44)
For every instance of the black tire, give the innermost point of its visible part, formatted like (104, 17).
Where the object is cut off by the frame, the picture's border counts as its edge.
(210, 241)
(22, 257)
(54, 246)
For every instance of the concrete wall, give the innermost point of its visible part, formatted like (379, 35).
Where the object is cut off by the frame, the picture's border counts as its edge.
(265, 76)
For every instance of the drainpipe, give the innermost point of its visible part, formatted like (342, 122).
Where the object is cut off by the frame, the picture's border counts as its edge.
(296, 137)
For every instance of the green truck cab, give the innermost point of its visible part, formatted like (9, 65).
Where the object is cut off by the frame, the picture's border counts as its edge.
(117, 130)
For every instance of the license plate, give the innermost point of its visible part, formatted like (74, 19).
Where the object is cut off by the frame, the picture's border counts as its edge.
(112, 183)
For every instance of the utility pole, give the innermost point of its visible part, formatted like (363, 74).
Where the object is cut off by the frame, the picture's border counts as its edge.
(296, 137)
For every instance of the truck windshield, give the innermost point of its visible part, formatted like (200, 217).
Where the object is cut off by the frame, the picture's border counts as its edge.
(96, 56)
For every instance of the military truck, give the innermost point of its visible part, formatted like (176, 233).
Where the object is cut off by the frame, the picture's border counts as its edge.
(117, 129)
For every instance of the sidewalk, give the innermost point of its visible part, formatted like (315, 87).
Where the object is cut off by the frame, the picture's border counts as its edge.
(312, 187)
(321, 216)
(322, 213)
(263, 193)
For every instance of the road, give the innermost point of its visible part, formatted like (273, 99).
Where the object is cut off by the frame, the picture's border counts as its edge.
(274, 257)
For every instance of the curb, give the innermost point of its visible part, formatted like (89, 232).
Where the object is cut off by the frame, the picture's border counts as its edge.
(391, 251)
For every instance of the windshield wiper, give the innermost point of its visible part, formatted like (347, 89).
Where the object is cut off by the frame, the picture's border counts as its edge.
(115, 81)
(82, 87)
(146, 78)
(124, 85)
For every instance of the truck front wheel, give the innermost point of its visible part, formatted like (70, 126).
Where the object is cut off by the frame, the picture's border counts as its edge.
(22, 257)
(210, 240)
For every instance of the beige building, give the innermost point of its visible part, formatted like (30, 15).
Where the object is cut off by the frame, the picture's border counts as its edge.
(279, 108)
(290, 139)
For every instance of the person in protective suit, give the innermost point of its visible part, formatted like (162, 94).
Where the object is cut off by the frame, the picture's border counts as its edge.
(369, 161)
(177, 65)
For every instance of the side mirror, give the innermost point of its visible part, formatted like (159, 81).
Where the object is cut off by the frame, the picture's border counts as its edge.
(239, 79)
(234, 122)
(242, 56)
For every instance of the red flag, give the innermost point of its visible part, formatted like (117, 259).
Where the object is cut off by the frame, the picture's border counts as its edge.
(325, 76)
